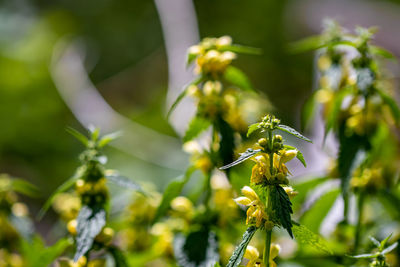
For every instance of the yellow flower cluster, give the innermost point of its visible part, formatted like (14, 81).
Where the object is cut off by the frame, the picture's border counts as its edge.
(368, 178)
(211, 57)
(261, 172)
(256, 212)
(8, 259)
(253, 256)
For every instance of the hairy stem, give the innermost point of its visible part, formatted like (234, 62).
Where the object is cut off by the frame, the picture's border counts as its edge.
(267, 247)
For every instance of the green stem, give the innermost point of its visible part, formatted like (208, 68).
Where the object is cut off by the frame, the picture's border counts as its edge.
(346, 207)
(360, 206)
(271, 154)
(267, 247)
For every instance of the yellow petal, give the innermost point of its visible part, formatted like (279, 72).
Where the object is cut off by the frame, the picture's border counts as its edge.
(250, 193)
(251, 253)
(243, 201)
(274, 251)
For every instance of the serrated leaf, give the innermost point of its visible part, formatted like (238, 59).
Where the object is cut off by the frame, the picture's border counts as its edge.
(91, 221)
(173, 190)
(252, 128)
(238, 78)
(239, 251)
(304, 235)
(197, 249)
(124, 182)
(293, 132)
(62, 188)
(36, 254)
(182, 95)
(299, 155)
(118, 256)
(24, 187)
(241, 49)
(104, 140)
(392, 104)
(282, 207)
(389, 248)
(243, 156)
(314, 217)
(227, 141)
(196, 126)
(80, 137)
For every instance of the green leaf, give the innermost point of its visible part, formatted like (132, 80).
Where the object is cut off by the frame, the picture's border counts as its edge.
(392, 104)
(304, 187)
(332, 119)
(124, 182)
(383, 242)
(173, 190)
(196, 126)
(307, 44)
(108, 138)
(95, 132)
(118, 256)
(299, 155)
(36, 254)
(379, 51)
(242, 49)
(238, 78)
(24, 187)
(199, 248)
(239, 251)
(190, 58)
(282, 207)
(80, 137)
(91, 221)
(243, 156)
(317, 213)
(182, 95)
(389, 248)
(227, 141)
(308, 111)
(376, 242)
(62, 188)
(293, 132)
(305, 236)
(252, 128)
(365, 256)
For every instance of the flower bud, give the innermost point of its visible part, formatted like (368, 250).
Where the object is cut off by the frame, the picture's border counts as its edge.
(274, 251)
(181, 204)
(71, 227)
(106, 235)
(288, 155)
(278, 138)
(195, 50)
(263, 142)
(224, 41)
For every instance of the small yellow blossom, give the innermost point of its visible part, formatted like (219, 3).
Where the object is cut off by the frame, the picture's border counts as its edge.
(256, 211)
(253, 256)
(290, 192)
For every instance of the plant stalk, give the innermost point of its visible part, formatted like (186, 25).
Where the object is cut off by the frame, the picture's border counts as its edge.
(360, 206)
(267, 247)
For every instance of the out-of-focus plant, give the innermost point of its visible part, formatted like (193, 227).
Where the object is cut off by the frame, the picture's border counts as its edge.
(355, 97)
(87, 212)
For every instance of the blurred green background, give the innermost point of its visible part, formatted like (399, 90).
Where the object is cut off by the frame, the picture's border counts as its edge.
(127, 62)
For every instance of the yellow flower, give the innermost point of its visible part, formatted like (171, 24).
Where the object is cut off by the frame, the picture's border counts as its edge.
(273, 253)
(255, 212)
(253, 256)
(290, 192)
(261, 170)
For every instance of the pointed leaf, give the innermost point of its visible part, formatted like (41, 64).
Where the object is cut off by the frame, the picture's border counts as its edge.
(242, 49)
(62, 188)
(239, 251)
(124, 182)
(389, 248)
(308, 44)
(379, 51)
(282, 207)
(383, 242)
(243, 156)
(238, 78)
(91, 221)
(376, 242)
(173, 190)
(196, 126)
(299, 155)
(80, 137)
(24, 187)
(252, 128)
(293, 132)
(308, 111)
(364, 256)
(198, 249)
(104, 140)
(304, 235)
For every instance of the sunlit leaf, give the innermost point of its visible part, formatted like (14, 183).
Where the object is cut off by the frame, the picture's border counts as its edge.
(376, 242)
(238, 78)
(91, 221)
(24, 187)
(389, 248)
(293, 132)
(80, 137)
(239, 251)
(241, 49)
(252, 128)
(384, 241)
(365, 256)
(104, 140)
(379, 51)
(196, 126)
(243, 156)
(392, 104)
(307, 44)
(283, 207)
(304, 235)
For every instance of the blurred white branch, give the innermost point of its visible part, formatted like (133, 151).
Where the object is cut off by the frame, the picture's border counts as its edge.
(89, 107)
